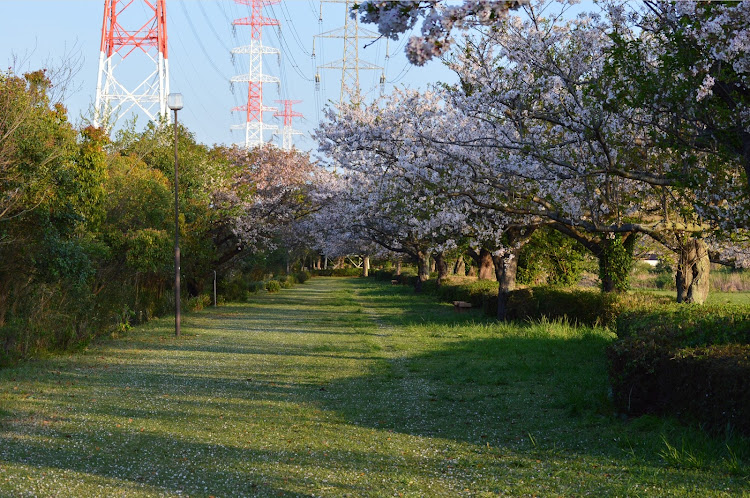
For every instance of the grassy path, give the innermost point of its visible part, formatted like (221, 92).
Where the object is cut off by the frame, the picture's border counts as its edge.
(342, 387)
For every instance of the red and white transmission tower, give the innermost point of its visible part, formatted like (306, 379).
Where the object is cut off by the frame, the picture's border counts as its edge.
(288, 114)
(126, 54)
(254, 126)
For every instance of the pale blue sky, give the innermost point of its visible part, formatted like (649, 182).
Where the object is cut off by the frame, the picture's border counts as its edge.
(200, 38)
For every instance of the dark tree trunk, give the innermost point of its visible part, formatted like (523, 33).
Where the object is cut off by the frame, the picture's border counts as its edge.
(693, 268)
(506, 266)
(442, 267)
(423, 270)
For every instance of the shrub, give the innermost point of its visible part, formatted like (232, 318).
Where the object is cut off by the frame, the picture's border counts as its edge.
(384, 275)
(302, 276)
(689, 361)
(198, 303)
(235, 289)
(256, 287)
(582, 306)
(273, 286)
(286, 281)
(665, 281)
(339, 272)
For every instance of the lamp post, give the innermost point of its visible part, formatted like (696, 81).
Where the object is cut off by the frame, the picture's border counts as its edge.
(174, 101)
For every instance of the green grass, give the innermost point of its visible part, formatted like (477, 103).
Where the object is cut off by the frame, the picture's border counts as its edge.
(714, 297)
(343, 387)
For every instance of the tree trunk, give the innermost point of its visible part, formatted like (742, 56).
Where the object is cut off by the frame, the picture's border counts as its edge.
(616, 262)
(506, 266)
(693, 268)
(460, 267)
(433, 265)
(486, 267)
(423, 271)
(398, 267)
(325, 263)
(442, 267)
(366, 267)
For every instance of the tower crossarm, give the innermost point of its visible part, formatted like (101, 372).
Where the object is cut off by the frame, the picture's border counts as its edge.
(342, 64)
(261, 78)
(255, 49)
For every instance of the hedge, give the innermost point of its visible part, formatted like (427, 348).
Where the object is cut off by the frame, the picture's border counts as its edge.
(692, 362)
(339, 272)
(582, 306)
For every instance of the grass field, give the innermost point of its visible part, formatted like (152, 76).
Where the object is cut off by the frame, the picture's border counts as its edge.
(342, 387)
(714, 297)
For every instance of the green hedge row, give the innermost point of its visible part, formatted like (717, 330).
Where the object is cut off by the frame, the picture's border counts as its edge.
(338, 272)
(692, 362)
(240, 288)
(585, 307)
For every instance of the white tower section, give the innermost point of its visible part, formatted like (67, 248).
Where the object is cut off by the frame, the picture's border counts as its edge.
(350, 64)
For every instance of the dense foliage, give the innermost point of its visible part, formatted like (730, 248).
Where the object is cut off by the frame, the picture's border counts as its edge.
(690, 362)
(87, 222)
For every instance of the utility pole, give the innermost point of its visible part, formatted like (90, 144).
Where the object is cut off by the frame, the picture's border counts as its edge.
(350, 64)
(287, 131)
(254, 126)
(129, 39)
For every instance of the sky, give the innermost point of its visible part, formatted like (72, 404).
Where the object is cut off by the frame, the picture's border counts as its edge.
(44, 33)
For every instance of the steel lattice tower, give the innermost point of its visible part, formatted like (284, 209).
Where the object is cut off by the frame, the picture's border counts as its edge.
(288, 114)
(254, 125)
(124, 52)
(350, 64)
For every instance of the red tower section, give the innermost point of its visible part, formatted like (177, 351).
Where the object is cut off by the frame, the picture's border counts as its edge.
(256, 21)
(128, 33)
(288, 114)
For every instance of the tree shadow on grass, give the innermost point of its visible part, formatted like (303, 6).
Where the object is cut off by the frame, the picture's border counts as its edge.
(492, 390)
(539, 399)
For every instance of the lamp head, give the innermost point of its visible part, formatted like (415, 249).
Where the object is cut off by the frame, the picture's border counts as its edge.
(174, 101)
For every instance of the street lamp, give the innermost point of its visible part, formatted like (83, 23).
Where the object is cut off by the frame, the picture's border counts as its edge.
(174, 101)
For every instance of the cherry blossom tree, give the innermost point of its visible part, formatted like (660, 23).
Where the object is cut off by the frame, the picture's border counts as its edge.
(439, 19)
(536, 133)
(269, 189)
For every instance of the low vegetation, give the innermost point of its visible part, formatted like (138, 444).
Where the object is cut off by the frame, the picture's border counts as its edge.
(346, 387)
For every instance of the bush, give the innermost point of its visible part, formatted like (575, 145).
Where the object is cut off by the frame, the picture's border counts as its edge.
(198, 303)
(384, 275)
(339, 272)
(582, 306)
(286, 281)
(273, 286)
(235, 289)
(689, 361)
(302, 276)
(665, 281)
(256, 287)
